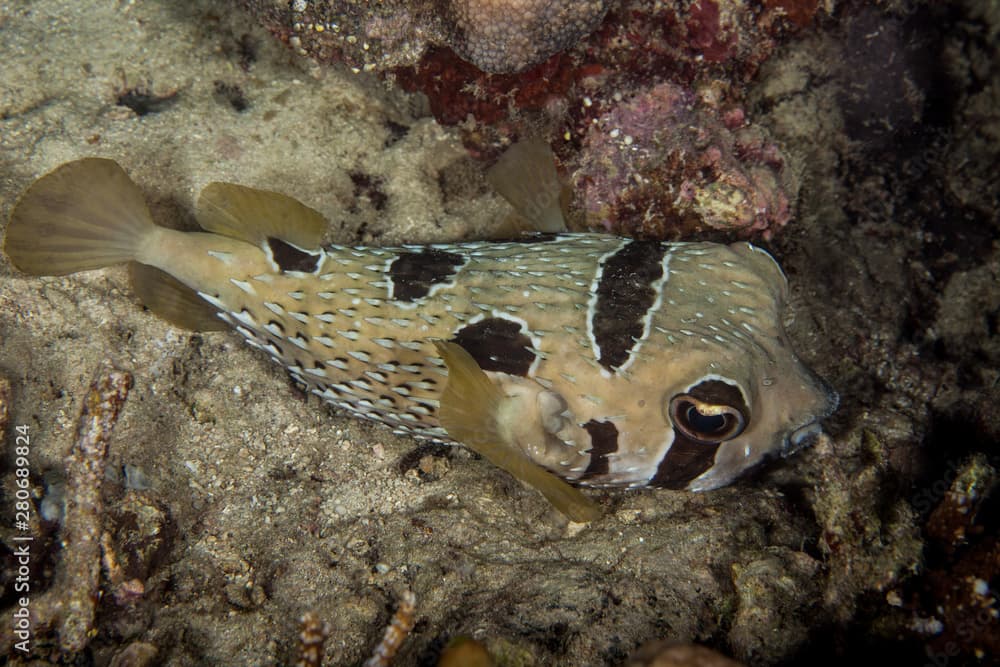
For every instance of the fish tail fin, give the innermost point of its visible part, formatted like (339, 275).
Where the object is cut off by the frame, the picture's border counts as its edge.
(85, 214)
(469, 405)
(526, 177)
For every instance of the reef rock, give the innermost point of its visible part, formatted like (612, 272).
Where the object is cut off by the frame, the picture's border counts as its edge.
(493, 35)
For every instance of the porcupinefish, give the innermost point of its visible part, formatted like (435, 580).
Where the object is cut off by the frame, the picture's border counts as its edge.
(589, 358)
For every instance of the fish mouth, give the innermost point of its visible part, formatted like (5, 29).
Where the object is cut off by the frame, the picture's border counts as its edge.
(807, 434)
(825, 396)
(802, 437)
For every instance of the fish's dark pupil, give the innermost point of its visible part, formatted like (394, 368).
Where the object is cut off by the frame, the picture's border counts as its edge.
(702, 423)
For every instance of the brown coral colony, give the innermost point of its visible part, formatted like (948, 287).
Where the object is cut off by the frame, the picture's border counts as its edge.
(511, 35)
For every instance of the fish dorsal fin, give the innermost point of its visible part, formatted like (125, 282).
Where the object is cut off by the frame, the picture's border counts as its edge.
(526, 177)
(255, 215)
(172, 300)
(469, 406)
(765, 266)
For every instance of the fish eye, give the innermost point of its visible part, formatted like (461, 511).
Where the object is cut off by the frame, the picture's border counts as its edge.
(705, 422)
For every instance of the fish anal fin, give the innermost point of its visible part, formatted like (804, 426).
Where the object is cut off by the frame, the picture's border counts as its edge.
(470, 404)
(253, 215)
(172, 300)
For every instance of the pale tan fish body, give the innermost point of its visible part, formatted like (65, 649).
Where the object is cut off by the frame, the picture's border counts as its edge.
(615, 362)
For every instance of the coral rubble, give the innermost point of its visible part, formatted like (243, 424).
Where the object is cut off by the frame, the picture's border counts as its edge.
(69, 606)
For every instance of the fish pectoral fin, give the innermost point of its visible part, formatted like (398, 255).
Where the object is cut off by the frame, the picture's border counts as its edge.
(470, 403)
(255, 215)
(172, 300)
(526, 177)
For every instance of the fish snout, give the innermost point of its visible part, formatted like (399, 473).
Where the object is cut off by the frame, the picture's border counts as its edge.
(825, 402)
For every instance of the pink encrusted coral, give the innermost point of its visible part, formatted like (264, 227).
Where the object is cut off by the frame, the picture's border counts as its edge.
(665, 163)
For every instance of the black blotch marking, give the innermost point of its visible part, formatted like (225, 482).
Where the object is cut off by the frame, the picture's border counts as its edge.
(141, 100)
(290, 258)
(387, 397)
(232, 94)
(685, 460)
(367, 187)
(276, 323)
(414, 273)
(497, 344)
(624, 296)
(603, 441)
